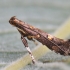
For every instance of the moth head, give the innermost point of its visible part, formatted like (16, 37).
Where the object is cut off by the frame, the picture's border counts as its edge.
(13, 21)
(17, 23)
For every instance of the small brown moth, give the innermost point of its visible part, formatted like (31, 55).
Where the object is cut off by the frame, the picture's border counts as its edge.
(58, 45)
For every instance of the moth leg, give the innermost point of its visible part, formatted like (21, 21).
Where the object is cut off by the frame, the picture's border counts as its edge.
(28, 49)
(31, 38)
(36, 43)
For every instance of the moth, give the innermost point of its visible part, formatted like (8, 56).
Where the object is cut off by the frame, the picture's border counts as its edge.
(31, 33)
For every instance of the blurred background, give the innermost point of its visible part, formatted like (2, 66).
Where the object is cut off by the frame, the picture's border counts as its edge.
(44, 14)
